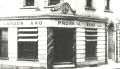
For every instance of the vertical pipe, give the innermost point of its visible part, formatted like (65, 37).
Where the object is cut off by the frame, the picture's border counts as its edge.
(116, 46)
(117, 43)
(106, 44)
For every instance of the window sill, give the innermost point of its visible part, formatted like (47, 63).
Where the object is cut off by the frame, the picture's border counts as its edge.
(110, 11)
(91, 58)
(4, 58)
(51, 6)
(90, 8)
(22, 59)
(29, 7)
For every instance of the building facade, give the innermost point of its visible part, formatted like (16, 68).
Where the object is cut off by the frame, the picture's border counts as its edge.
(53, 33)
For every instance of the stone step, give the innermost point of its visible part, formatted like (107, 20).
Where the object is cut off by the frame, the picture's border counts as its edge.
(62, 65)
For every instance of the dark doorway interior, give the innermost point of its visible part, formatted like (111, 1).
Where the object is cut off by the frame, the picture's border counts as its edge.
(63, 42)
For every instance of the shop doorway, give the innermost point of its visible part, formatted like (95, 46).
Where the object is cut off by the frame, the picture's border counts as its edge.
(64, 42)
(111, 44)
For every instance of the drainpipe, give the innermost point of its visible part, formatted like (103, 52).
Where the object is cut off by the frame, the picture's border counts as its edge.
(117, 42)
(106, 45)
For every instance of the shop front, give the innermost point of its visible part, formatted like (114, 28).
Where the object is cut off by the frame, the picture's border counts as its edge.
(52, 41)
(73, 43)
(91, 44)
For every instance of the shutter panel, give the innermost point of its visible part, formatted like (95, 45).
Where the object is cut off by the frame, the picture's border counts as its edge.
(27, 34)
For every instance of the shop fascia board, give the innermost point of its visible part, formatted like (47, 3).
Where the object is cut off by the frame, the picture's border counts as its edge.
(57, 17)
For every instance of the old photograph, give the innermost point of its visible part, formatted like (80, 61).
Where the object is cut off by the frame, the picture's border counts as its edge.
(59, 34)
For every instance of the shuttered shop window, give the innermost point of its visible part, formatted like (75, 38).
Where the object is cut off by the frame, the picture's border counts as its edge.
(91, 43)
(27, 43)
(4, 43)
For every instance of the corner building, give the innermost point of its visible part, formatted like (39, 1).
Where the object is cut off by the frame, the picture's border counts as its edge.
(52, 33)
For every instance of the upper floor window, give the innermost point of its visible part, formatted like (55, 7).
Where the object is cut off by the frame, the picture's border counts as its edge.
(107, 7)
(29, 2)
(89, 3)
(54, 2)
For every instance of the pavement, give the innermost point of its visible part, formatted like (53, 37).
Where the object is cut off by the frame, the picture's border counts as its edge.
(107, 66)
(110, 65)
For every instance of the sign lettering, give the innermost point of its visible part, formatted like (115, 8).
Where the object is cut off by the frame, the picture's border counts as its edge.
(66, 23)
(90, 24)
(36, 22)
(51, 23)
(13, 23)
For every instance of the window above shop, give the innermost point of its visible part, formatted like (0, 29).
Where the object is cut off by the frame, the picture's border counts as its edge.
(29, 2)
(107, 6)
(89, 5)
(51, 3)
(54, 2)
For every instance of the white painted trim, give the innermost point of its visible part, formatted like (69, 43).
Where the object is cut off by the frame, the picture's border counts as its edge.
(12, 44)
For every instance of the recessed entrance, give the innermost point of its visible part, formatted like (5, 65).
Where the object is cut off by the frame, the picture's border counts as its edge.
(111, 44)
(63, 42)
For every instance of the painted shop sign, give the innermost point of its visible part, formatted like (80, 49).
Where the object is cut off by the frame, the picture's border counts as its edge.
(51, 23)
(21, 22)
(81, 24)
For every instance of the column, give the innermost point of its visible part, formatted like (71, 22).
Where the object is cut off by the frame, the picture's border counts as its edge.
(101, 45)
(42, 46)
(80, 45)
(12, 44)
